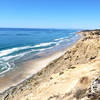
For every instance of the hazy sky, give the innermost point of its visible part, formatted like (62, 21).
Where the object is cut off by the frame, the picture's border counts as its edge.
(50, 13)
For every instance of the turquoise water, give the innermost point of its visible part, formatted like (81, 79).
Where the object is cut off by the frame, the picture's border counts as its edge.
(19, 45)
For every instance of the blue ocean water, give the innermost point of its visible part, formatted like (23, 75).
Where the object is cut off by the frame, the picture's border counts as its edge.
(18, 45)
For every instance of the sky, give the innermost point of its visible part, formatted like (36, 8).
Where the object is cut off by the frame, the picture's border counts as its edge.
(50, 14)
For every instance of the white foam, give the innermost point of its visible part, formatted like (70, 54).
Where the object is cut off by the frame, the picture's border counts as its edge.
(8, 66)
(63, 38)
(11, 57)
(9, 51)
(45, 49)
(44, 44)
(59, 39)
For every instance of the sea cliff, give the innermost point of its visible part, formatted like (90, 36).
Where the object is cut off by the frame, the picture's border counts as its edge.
(73, 76)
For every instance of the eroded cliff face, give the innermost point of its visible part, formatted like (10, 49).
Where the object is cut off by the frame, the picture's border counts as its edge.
(66, 78)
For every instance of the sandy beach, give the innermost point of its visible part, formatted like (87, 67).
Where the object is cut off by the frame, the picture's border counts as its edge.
(26, 70)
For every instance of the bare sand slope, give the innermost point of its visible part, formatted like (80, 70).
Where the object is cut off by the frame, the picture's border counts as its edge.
(71, 84)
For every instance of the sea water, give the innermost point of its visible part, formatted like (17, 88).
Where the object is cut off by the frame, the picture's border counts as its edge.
(18, 45)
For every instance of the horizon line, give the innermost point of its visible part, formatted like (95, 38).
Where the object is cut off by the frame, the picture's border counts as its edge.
(37, 28)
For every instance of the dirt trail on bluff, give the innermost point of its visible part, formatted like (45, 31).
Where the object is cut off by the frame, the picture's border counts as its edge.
(66, 78)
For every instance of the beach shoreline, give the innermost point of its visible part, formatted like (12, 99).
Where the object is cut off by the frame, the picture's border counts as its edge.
(34, 66)
(31, 68)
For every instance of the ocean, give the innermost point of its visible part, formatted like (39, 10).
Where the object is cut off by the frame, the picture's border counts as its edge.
(18, 45)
